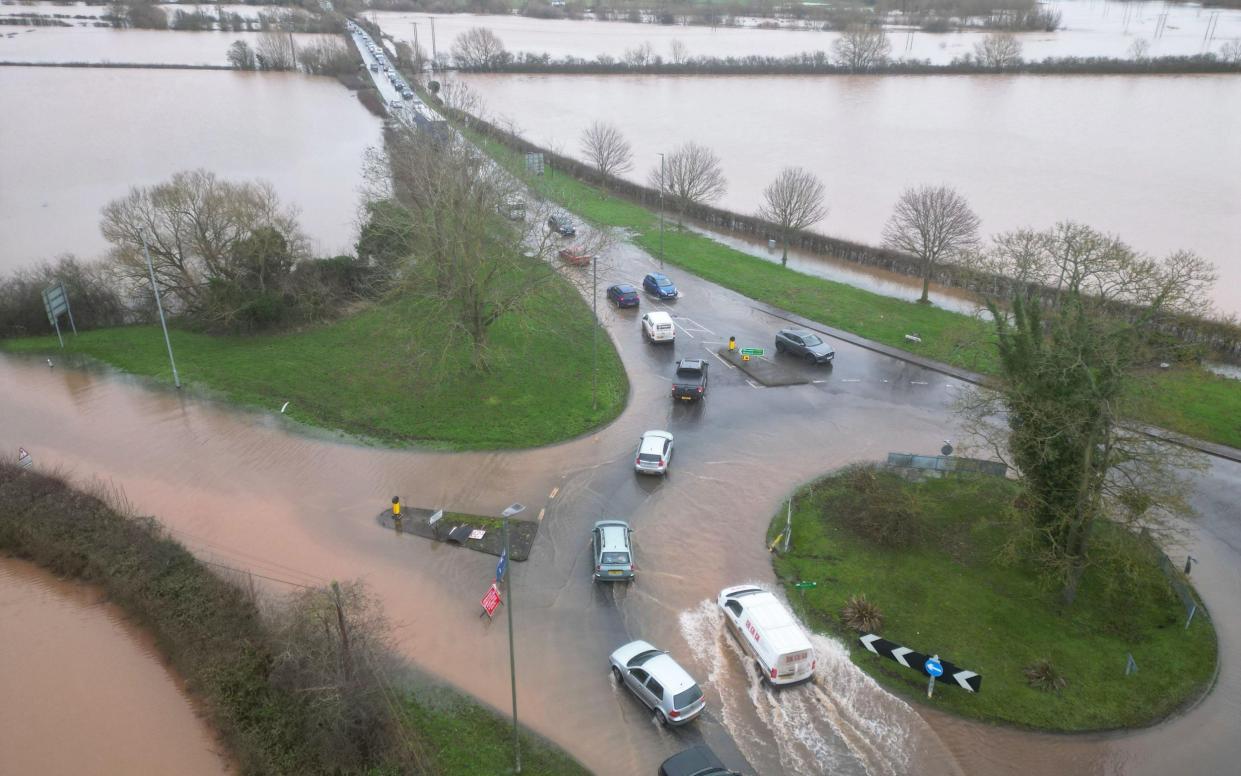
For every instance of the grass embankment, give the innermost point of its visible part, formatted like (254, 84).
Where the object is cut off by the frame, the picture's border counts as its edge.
(1191, 401)
(946, 590)
(380, 373)
(211, 633)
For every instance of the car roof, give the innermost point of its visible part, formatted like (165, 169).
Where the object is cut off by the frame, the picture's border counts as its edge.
(779, 628)
(659, 316)
(691, 363)
(615, 536)
(658, 277)
(798, 332)
(625, 288)
(669, 673)
(657, 434)
(652, 443)
(693, 761)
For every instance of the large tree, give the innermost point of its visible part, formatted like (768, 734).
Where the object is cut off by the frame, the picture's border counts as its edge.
(793, 201)
(933, 223)
(607, 149)
(861, 47)
(1067, 371)
(478, 48)
(690, 175)
(999, 50)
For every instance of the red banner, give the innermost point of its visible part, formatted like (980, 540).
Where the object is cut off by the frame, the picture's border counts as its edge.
(491, 600)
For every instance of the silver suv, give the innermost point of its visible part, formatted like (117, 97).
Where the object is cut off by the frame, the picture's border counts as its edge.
(658, 681)
(612, 554)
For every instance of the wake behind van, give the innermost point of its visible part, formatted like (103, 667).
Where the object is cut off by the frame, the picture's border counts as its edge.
(768, 632)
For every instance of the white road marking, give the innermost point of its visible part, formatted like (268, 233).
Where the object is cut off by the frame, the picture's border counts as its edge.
(851, 380)
(753, 384)
(542, 512)
(723, 360)
(555, 490)
(816, 382)
(918, 382)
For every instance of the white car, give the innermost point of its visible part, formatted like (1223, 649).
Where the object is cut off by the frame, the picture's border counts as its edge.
(654, 453)
(657, 326)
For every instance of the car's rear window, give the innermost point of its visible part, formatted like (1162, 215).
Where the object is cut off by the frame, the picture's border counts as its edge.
(662, 326)
(649, 457)
(616, 558)
(687, 697)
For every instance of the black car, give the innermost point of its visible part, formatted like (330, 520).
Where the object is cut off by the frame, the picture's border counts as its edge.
(623, 295)
(690, 382)
(698, 761)
(562, 225)
(806, 344)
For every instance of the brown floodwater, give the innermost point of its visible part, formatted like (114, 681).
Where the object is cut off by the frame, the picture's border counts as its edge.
(71, 140)
(83, 691)
(248, 491)
(104, 44)
(1155, 160)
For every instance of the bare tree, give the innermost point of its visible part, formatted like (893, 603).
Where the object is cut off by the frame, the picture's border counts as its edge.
(933, 223)
(678, 52)
(640, 55)
(999, 50)
(241, 56)
(478, 48)
(1231, 51)
(1140, 50)
(607, 149)
(861, 47)
(690, 175)
(202, 232)
(276, 51)
(793, 201)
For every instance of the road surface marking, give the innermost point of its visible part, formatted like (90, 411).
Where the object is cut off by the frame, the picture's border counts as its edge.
(918, 382)
(816, 382)
(721, 358)
(555, 490)
(753, 384)
(541, 513)
(851, 380)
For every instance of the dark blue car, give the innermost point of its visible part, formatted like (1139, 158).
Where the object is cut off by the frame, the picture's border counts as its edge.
(623, 295)
(659, 285)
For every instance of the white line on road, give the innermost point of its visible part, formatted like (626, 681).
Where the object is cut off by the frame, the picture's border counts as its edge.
(753, 384)
(542, 512)
(918, 382)
(555, 490)
(816, 382)
(723, 360)
(851, 380)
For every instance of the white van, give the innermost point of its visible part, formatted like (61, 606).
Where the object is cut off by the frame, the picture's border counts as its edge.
(657, 326)
(769, 633)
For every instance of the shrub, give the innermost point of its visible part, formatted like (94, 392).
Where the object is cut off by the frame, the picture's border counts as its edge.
(877, 507)
(861, 614)
(1042, 675)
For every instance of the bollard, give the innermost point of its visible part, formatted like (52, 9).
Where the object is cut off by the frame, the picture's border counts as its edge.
(744, 357)
(732, 344)
(396, 507)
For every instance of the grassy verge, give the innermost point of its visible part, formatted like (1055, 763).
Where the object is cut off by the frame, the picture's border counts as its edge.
(211, 633)
(949, 592)
(366, 375)
(1194, 402)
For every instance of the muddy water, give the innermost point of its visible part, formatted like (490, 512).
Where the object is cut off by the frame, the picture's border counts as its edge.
(1090, 28)
(1114, 152)
(83, 691)
(71, 140)
(104, 44)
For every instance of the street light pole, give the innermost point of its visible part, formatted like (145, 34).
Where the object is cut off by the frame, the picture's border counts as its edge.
(661, 211)
(512, 660)
(176, 379)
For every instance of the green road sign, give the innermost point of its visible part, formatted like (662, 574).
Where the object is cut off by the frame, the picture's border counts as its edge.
(752, 351)
(805, 585)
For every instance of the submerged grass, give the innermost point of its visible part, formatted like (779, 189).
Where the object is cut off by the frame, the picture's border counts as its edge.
(952, 593)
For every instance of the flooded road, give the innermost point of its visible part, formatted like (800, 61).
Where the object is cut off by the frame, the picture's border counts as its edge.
(1118, 153)
(1089, 28)
(71, 140)
(83, 691)
(243, 491)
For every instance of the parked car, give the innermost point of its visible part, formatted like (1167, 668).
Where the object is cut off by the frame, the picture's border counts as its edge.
(768, 633)
(805, 344)
(562, 225)
(659, 285)
(658, 681)
(654, 453)
(690, 382)
(611, 552)
(695, 761)
(657, 326)
(623, 295)
(575, 255)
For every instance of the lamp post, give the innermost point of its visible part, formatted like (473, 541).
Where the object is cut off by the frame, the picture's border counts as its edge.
(661, 211)
(176, 379)
(513, 509)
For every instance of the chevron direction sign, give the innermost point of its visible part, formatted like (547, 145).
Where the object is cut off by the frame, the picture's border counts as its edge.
(918, 661)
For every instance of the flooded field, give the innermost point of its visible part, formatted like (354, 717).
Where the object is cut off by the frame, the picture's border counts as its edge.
(83, 691)
(1102, 28)
(104, 44)
(74, 139)
(1119, 153)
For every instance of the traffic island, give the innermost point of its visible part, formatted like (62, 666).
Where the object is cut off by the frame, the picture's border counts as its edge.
(921, 578)
(474, 532)
(765, 372)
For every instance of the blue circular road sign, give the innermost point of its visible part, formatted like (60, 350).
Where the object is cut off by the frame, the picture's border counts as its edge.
(933, 667)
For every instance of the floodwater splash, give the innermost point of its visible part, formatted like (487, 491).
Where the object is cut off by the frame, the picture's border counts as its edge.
(840, 723)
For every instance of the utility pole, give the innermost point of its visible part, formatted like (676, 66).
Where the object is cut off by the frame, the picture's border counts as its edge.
(434, 53)
(661, 211)
(512, 660)
(594, 334)
(176, 380)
